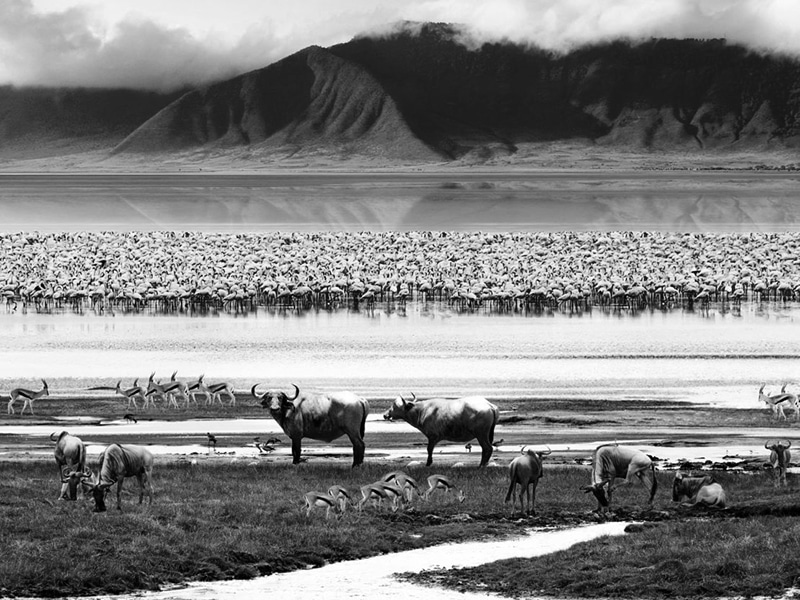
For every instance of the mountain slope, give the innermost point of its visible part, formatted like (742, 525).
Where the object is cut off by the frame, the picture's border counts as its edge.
(423, 93)
(311, 100)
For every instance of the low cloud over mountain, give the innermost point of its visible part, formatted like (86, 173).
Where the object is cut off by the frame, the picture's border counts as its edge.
(418, 92)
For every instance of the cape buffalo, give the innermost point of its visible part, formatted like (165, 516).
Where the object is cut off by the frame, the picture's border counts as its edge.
(318, 416)
(458, 420)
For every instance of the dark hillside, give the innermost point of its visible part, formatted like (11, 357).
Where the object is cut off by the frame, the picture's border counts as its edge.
(418, 94)
(48, 121)
(658, 94)
(312, 100)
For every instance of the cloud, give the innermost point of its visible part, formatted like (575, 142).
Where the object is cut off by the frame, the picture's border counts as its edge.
(76, 47)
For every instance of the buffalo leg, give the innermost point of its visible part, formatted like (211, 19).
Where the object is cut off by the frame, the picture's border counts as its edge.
(295, 451)
(431, 446)
(486, 453)
(358, 450)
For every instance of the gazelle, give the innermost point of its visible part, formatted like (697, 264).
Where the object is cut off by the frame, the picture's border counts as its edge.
(341, 495)
(372, 491)
(156, 388)
(180, 388)
(28, 397)
(214, 391)
(318, 499)
(131, 393)
(405, 481)
(778, 401)
(440, 482)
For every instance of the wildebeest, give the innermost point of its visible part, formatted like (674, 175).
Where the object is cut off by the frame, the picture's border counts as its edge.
(779, 458)
(318, 416)
(70, 454)
(703, 490)
(610, 462)
(460, 420)
(117, 462)
(525, 471)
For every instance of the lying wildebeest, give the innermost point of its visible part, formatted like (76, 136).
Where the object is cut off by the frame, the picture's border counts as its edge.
(117, 462)
(779, 458)
(459, 420)
(70, 454)
(525, 471)
(703, 490)
(610, 462)
(323, 417)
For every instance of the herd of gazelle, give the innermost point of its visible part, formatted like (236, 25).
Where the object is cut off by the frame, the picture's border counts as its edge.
(398, 488)
(169, 393)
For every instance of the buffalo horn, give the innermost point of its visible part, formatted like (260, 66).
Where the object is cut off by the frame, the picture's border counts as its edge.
(296, 392)
(253, 392)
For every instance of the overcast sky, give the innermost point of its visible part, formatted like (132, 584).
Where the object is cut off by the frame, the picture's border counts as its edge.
(163, 44)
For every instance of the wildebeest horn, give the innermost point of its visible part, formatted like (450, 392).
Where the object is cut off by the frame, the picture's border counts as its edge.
(413, 397)
(296, 392)
(546, 453)
(54, 439)
(522, 450)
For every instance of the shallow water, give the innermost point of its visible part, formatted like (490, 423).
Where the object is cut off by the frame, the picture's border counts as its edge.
(717, 356)
(491, 200)
(373, 577)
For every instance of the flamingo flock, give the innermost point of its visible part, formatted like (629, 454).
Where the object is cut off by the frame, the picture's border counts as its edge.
(181, 270)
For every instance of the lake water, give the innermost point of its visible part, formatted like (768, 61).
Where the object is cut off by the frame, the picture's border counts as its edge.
(474, 199)
(713, 356)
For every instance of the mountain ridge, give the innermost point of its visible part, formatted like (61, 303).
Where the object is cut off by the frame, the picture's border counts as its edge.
(417, 94)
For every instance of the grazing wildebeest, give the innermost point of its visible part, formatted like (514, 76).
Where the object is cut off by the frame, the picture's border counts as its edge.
(459, 420)
(703, 490)
(117, 462)
(779, 458)
(525, 471)
(318, 416)
(610, 462)
(70, 454)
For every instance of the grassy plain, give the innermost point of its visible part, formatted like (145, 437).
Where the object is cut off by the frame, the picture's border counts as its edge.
(215, 520)
(221, 516)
